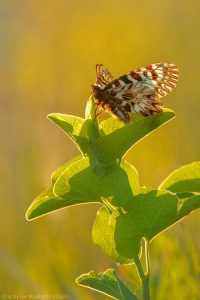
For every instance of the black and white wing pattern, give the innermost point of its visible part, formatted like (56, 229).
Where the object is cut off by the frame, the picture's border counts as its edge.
(137, 91)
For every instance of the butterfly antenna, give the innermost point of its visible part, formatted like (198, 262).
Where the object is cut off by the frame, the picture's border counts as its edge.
(98, 67)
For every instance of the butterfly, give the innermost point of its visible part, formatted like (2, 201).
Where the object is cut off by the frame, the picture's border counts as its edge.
(137, 91)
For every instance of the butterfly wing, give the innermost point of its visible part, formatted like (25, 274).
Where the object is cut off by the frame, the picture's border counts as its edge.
(140, 90)
(104, 77)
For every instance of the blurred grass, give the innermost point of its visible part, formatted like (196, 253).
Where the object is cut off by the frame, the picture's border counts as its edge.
(47, 55)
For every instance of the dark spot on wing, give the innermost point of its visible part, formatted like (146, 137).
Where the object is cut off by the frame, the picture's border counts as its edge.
(127, 96)
(125, 79)
(127, 106)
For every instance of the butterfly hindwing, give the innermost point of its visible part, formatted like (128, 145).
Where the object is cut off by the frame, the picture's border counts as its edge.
(103, 76)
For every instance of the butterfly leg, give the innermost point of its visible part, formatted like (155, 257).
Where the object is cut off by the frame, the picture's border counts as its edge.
(98, 111)
(121, 113)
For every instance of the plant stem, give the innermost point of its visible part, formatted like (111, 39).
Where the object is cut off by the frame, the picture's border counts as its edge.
(147, 257)
(107, 204)
(144, 277)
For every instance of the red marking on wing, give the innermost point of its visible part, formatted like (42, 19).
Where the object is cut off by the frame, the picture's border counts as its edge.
(150, 68)
(135, 75)
(153, 72)
(117, 83)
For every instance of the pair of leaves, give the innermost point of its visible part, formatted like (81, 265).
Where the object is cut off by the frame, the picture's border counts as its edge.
(119, 233)
(147, 214)
(100, 172)
(76, 183)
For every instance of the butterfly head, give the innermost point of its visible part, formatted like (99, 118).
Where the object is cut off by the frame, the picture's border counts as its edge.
(97, 93)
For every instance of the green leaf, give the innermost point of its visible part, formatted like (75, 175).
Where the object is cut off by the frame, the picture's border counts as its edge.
(79, 182)
(75, 183)
(57, 173)
(184, 179)
(75, 127)
(107, 283)
(112, 147)
(103, 235)
(188, 205)
(111, 124)
(91, 122)
(146, 216)
(90, 110)
(47, 202)
(82, 132)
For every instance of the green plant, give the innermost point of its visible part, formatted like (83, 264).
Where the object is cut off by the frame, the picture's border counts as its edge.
(129, 213)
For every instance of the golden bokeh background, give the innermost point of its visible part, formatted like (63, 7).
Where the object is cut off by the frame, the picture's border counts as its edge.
(48, 54)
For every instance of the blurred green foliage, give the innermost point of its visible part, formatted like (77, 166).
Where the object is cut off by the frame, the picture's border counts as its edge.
(48, 54)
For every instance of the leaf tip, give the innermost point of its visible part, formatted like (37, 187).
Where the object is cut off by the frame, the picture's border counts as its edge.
(90, 110)
(28, 215)
(169, 111)
(51, 116)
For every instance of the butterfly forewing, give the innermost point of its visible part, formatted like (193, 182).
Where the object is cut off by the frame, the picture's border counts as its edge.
(137, 91)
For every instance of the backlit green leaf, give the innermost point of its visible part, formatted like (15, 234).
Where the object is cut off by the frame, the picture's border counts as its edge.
(103, 235)
(184, 179)
(79, 182)
(75, 127)
(75, 182)
(146, 216)
(107, 283)
(112, 147)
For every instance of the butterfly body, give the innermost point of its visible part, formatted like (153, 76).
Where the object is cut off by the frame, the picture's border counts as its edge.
(136, 91)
